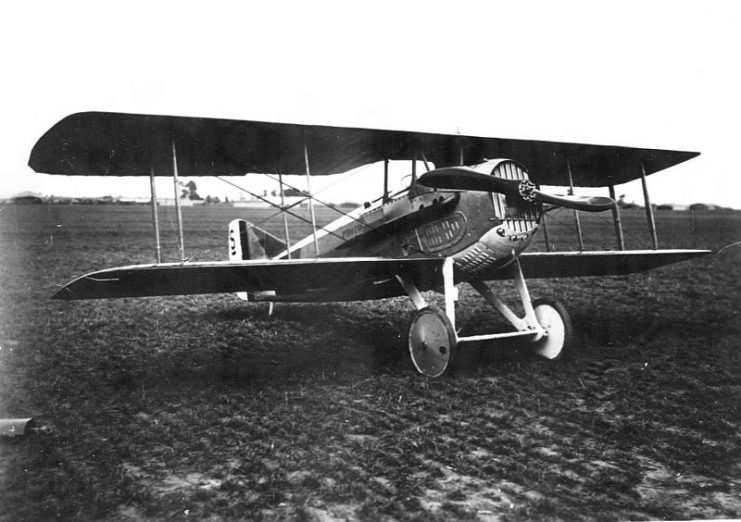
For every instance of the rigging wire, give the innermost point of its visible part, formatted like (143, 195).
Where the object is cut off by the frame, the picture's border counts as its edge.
(628, 234)
(336, 182)
(641, 241)
(338, 210)
(331, 232)
(265, 200)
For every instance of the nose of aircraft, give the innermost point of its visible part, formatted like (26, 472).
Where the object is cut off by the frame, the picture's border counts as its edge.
(497, 247)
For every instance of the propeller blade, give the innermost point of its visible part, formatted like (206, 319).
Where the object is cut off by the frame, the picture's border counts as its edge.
(586, 203)
(461, 178)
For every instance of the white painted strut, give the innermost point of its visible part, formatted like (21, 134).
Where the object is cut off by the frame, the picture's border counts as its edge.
(530, 317)
(525, 326)
(450, 292)
(412, 291)
(178, 211)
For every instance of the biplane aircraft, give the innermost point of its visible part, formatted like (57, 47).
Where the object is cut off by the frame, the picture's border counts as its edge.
(468, 218)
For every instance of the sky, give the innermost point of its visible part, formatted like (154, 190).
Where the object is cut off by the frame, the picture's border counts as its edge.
(661, 74)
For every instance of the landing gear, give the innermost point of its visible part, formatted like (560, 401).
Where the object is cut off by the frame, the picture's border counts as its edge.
(433, 339)
(546, 323)
(432, 342)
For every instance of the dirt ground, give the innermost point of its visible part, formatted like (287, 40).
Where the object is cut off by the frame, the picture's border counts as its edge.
(207, 407)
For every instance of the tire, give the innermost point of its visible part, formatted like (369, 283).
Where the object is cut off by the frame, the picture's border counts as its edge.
(555, 319)
(432, 342)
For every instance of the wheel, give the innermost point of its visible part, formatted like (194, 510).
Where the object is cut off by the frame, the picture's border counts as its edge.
(432, 342)
(554, 318)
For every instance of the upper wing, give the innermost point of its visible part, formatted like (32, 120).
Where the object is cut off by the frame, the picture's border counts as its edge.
(302, 279)
(599, 263)
(116, 144)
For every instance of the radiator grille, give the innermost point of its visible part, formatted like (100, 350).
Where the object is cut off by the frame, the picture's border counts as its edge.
(518, 216)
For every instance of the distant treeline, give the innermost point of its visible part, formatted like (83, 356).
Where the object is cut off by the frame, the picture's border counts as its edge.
(109, 200)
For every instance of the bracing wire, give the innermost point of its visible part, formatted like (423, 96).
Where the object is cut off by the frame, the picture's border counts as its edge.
(313, 196)
(371, 228)
(265, 200)
(627, 234)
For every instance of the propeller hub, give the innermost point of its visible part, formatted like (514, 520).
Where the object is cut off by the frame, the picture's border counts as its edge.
(527, 189)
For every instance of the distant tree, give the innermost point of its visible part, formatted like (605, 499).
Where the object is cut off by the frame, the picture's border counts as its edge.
(190, 191)
(624, 204)
(193, 191)
(294, 193)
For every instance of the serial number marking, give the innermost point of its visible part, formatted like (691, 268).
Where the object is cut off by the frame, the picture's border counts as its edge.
(516, 237)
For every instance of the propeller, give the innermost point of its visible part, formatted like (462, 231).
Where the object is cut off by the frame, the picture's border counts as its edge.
(460, 178)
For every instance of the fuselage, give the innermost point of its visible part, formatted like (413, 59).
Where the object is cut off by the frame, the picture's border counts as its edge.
(479, 230)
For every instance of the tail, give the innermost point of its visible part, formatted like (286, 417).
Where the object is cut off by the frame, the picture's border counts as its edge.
(246, 241)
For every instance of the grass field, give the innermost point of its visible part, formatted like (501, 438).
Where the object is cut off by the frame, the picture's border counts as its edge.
(206, 407)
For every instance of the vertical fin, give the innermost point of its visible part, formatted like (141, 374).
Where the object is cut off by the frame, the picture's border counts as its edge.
(237, 244)
(246, 241)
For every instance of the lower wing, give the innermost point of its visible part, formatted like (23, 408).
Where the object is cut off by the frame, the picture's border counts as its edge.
(340, 279)
(597, 263)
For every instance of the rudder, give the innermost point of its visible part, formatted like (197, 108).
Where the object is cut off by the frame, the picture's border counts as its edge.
(246, 241)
